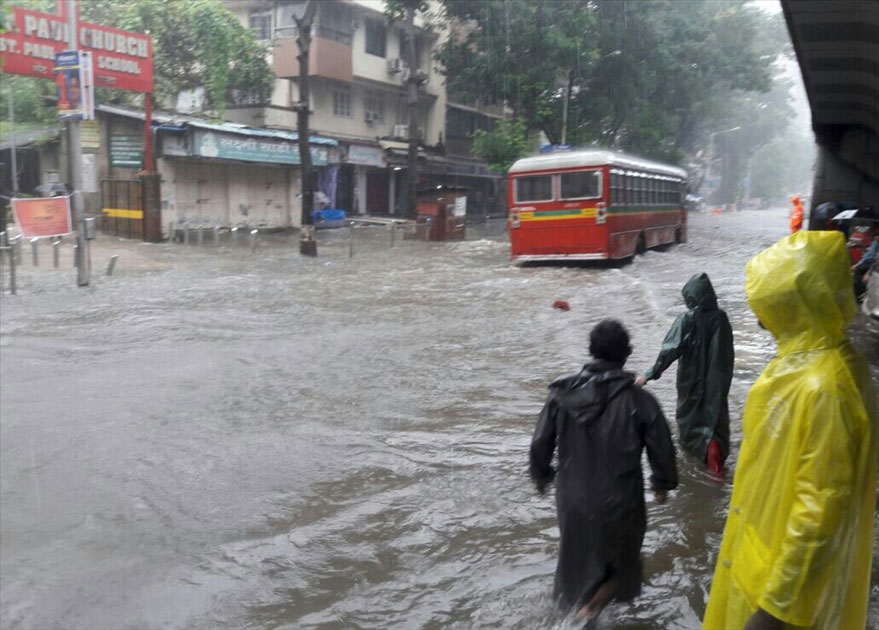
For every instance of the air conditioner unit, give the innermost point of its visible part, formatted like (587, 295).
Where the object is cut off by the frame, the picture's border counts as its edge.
(369, 117)
(395, 65)
(401, 131)
(405, 74)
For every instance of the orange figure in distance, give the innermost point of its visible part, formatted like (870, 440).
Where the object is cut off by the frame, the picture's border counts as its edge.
(796, 217)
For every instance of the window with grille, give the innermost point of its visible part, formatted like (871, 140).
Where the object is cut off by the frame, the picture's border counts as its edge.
(341, 103)
(260, 23)
(374, 106)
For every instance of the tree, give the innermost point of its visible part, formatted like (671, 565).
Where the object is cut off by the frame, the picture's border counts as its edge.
(307, 243)
(198, 43)
(519, 53)
(659, 96)
(395, 10)
(505, 143)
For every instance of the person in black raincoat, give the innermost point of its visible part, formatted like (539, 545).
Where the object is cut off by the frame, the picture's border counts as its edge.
(601, 424)
(701, 341)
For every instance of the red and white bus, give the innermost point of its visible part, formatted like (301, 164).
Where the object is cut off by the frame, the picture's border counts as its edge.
(593, 205)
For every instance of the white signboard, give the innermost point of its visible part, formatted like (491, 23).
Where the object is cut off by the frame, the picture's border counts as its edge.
(367, 156)
(461, 206)
(89, 172)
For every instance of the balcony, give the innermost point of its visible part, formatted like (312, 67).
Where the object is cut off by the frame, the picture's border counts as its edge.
(327, 58)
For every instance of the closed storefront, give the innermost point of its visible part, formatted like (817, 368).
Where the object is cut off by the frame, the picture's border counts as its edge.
(226, 175)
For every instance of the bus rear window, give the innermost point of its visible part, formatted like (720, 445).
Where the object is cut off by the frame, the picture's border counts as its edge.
(581, 185)
(534, 188)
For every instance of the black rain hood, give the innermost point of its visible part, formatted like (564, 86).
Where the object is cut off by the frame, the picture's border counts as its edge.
(586, 395)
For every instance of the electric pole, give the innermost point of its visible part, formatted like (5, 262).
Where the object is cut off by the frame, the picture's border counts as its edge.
(412, 82)
(307, 242)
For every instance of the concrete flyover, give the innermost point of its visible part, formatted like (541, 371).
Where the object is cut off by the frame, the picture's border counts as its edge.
(837, 46)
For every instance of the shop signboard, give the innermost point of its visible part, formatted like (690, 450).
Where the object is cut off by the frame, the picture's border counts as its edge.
(365, 155)
(42, 216)
(230, 146)
(90, 135)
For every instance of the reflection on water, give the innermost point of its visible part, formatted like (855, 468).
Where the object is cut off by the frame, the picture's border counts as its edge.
(214, 439)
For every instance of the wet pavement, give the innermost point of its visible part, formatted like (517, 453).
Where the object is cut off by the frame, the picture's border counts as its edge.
(214, 438)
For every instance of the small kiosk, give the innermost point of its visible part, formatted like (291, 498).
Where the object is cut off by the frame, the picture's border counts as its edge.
(445, 209)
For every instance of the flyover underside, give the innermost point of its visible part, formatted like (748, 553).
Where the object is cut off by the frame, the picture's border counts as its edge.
(837, 46)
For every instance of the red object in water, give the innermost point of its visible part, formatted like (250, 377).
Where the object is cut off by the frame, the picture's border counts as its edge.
(714, 458)
(561, 305)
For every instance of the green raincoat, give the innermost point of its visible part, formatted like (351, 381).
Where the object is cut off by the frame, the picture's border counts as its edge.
(701, 341)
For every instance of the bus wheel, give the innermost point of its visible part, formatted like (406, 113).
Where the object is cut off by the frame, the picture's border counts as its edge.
(641, 247)
(678, 237)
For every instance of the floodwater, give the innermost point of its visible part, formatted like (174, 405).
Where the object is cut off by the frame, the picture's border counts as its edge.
(212, 438)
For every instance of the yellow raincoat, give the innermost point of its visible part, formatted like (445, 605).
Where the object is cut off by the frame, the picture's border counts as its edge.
(799, 532)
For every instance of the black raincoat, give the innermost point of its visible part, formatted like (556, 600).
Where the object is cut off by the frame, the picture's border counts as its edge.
(601, 424)
(701, 341)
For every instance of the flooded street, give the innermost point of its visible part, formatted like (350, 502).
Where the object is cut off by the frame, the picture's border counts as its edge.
(215, 439)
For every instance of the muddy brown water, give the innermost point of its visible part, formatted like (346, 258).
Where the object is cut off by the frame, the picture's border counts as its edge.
(212, 438)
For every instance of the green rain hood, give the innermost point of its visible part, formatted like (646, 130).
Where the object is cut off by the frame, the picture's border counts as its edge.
(701, 341)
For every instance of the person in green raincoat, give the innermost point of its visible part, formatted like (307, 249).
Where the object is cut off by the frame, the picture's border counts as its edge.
(701, 341)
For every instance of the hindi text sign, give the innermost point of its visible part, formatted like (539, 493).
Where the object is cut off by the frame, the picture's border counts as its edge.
(42, 216)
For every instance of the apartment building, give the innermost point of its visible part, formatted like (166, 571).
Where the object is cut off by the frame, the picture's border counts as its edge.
(357, 74)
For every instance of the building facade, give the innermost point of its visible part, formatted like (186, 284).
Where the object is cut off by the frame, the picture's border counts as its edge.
(357, 73)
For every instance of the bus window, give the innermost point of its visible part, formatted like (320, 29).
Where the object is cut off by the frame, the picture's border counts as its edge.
(651, 183)
(534, 188)
(616, 188)
(584, 185)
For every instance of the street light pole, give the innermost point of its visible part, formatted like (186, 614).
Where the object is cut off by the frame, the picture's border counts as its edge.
(74, 152)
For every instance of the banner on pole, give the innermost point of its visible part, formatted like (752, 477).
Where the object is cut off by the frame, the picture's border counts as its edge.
(42, 216)
(121, 60)
(72, 90)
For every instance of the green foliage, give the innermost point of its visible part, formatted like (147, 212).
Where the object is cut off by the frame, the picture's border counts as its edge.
(33, 100)
(199, 43)
(195, 43)
(503, 145)
(652, 77)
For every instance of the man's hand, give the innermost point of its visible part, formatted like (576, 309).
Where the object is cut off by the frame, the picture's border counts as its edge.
(641, 381)
(762, 620)
(659, 496)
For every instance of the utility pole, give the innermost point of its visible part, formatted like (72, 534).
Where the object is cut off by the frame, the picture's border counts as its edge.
(568, 88)
(307, 243)
(13, 157)
(74, 153)
(412, 82)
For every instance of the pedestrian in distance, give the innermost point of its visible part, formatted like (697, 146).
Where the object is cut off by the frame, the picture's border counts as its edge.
(796, 217)
(701, 341)
(600, 423)
(861, 269)
(798, 540)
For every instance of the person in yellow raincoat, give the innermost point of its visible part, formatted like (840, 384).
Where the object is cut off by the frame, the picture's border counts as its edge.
(796, 217)
(798, 540)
